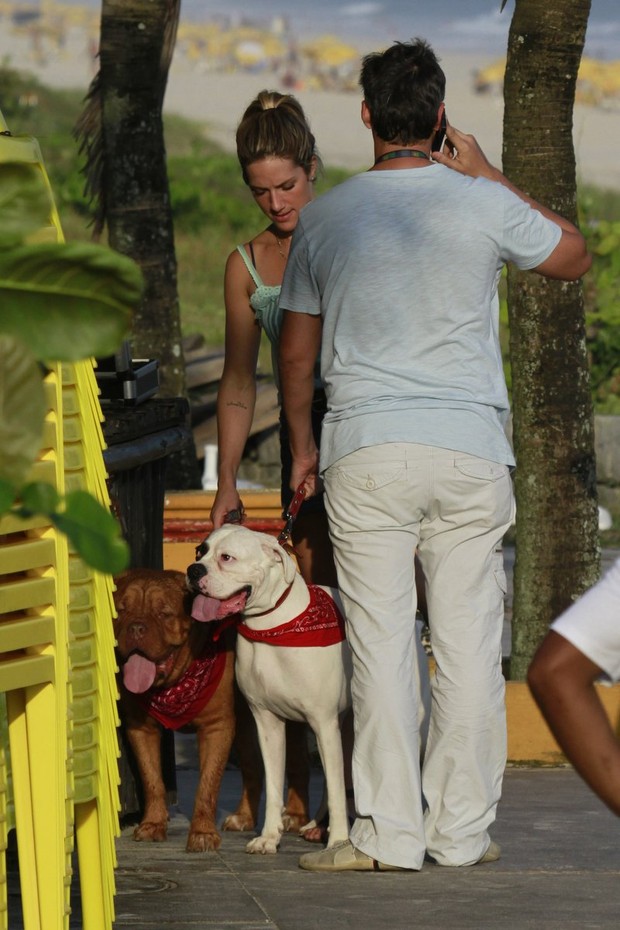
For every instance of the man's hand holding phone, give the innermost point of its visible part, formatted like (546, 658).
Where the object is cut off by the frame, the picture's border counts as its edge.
(465, 155)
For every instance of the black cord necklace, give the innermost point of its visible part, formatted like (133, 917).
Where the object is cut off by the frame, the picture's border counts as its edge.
(402, 153)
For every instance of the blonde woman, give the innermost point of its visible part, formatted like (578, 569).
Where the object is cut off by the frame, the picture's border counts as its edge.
(278, 159)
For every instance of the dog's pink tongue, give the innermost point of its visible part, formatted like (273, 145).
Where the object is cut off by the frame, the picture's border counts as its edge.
(234, 605)
(205, 609)
(138, 673)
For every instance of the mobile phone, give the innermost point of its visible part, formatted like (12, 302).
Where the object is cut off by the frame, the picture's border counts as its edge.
(440, 136)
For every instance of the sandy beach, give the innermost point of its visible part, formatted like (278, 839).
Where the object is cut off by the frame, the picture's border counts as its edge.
(343, 141)
(218, 101)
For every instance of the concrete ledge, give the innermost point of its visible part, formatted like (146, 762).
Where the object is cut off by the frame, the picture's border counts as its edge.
(187, 522)
(529, 739)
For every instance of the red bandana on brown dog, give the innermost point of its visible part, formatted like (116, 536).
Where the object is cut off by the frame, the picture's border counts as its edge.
(178, 704)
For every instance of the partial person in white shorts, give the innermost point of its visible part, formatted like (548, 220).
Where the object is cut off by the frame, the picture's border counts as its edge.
(581, 648)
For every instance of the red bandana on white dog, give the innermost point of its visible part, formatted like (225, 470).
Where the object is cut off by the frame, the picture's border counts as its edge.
(320, 624)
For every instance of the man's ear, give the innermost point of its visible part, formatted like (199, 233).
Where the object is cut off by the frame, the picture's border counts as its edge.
(440, 113)
(366, 115)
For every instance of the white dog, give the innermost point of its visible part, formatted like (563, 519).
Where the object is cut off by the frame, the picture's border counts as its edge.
(292, 663)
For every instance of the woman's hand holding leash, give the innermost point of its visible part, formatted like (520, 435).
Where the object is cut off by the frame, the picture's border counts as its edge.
(226, 502)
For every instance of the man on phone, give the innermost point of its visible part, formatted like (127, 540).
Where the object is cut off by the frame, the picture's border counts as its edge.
(393, 275)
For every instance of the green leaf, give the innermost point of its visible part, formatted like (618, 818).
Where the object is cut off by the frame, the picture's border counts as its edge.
(39, 497)
(25, 202)
(7, 495)
(68, 301)
(93, 532)
(22, 409)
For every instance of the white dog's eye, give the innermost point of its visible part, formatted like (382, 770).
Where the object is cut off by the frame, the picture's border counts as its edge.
(225, 557)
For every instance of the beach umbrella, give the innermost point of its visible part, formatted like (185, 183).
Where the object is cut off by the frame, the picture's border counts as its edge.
(491, 77)
(596, 80)
(330, 51)
(601, 77)
(250, 53)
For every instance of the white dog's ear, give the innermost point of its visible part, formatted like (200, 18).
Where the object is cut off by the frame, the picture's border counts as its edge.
(272, 548)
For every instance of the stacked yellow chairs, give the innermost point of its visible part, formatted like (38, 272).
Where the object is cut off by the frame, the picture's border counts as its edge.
(58, 718)
(92, 663)
(34, 677)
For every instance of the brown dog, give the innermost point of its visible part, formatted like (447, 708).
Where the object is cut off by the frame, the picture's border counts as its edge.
(175, 675)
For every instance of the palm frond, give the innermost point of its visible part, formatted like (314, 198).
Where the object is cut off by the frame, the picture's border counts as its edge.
(88, 133)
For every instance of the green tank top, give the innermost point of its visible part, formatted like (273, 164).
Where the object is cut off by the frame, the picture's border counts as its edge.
(265, 302)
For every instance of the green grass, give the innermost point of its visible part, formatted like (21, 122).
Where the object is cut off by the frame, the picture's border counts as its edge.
(600, 202)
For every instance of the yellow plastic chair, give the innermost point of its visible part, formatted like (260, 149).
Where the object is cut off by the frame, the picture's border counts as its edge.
(34, 678)
(58, 741)
(93, 666)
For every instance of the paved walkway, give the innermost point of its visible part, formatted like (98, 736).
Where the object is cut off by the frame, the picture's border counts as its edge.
(560, 869)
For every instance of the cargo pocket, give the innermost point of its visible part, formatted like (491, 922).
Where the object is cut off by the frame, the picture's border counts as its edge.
(369, 478)
(480, 468)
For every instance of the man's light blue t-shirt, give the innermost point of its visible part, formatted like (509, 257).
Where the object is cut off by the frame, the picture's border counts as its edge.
(403, 266)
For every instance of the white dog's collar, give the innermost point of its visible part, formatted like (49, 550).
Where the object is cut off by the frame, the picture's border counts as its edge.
(277, 604)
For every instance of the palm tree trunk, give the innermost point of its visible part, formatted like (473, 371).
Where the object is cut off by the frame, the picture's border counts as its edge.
(557, 548)
(137, 39)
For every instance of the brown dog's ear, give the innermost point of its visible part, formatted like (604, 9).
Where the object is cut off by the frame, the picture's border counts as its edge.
(272, 548)
(177, 580)
(187, 596)
(121, 581)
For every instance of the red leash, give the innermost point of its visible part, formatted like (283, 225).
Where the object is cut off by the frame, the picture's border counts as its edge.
(293, 509)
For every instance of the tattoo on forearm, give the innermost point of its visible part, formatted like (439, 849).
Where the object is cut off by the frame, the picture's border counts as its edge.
(237, 403)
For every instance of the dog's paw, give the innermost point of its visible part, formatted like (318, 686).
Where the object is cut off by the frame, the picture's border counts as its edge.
(267, 845)
(150, 832)
(198, 842)
(240, 823)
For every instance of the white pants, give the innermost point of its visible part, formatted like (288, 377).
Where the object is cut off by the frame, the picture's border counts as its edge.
(382, 502)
